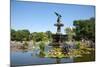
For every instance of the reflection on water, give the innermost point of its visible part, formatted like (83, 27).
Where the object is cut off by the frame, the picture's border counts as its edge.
(32, 58)
(28, 58)
(20, 58)
(85, 57)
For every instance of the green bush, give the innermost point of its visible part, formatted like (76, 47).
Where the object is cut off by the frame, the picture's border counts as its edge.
(78, 45)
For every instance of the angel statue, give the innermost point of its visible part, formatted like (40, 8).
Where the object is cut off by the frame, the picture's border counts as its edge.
(59, 17)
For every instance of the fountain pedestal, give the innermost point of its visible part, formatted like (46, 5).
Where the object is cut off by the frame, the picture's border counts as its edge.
(58, 39)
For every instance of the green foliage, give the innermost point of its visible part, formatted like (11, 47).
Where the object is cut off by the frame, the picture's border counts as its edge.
(20, 35)
(13, 34)
(85, 29)
(70, 32)
(24, 35)
(33, 36)
(41, 54)
(49, 34)
(40, 36)
(42, 48)
(78, 45)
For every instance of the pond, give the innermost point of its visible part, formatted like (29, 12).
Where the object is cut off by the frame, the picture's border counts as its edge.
(21, 58)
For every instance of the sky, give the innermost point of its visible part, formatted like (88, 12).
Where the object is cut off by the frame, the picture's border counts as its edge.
(40, 17)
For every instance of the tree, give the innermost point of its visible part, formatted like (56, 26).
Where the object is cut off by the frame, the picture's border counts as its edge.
(49, 34)
(13, 34)
(70, 32)
(42, 49)
(40, 36)
(20, 35)
(85, 29)
(26, 34)
(43, 36)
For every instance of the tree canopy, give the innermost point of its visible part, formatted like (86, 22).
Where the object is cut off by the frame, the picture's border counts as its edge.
(39, 36)
(20, 35)
(85, 29)
(70, 32)
(25, 35)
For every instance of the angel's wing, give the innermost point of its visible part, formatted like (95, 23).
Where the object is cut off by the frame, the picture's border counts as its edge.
(56, 13)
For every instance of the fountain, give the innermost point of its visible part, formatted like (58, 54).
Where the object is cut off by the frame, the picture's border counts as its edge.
(58, 39)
